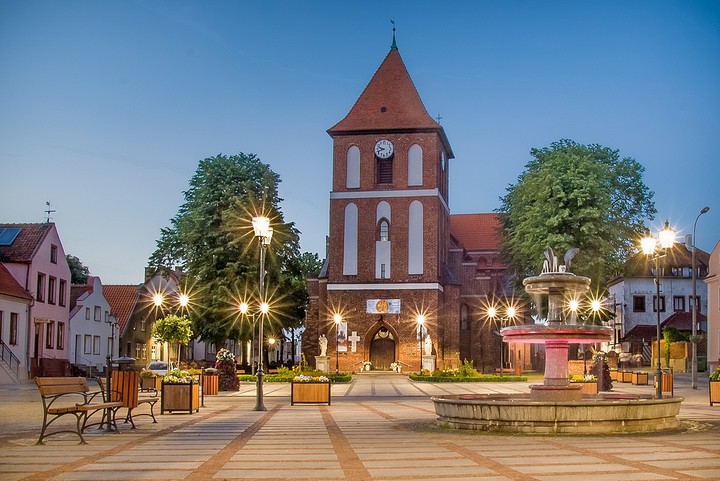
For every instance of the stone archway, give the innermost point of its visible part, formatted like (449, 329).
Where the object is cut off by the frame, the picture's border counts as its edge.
(382, 349)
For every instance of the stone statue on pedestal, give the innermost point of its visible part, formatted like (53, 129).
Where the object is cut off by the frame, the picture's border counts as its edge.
(323, 345)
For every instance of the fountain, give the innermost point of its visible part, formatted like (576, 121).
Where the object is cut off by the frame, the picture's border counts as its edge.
(557, 406)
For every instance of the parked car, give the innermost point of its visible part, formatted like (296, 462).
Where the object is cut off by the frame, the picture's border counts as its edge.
(158, 367)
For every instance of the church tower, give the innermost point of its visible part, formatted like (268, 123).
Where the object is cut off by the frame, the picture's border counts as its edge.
(388, 247)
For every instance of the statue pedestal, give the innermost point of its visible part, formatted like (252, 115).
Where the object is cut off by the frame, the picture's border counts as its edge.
(322, 363)
(428, 363)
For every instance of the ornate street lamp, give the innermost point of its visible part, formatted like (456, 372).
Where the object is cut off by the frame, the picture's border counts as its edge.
(493, 314)
(337, 318)
(263, 232)
(695, 303)
(657, 248)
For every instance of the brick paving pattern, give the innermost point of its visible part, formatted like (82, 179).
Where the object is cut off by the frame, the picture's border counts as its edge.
(380, 427)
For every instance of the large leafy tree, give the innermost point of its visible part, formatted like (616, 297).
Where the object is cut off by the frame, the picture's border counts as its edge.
(211, 240)
(78, 272)
(573, 195)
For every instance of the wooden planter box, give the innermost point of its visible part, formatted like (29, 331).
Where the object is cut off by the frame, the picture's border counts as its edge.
(589, 387)
(640, 378)
(309, 392)
(210, 384)
(714, 392)
(614, 375)
(150, 383)
(180, 397)
(625, 376)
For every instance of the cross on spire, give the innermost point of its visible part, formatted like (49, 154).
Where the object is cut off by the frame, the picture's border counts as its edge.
(394, 44)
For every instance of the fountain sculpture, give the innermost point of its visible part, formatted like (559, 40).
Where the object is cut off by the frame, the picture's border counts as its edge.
(557, 406)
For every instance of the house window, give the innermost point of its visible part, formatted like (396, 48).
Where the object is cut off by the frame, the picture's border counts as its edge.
(96, 344)
(678, 303)
(88, 344)
(87, 313)
(638, 303)
(61, 293)
(97, 313)
(53, 254)
(142, 325)
(138, 350)
(384, 171)
(153, 352)
(40, 293)
(144, 351)
(662, 304)
(49, 328)
(697, 303)
(60, 332)
(52, 281)
(211, 348)
(13, 328)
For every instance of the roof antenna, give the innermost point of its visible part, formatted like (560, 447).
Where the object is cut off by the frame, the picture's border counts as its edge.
(394, 44)
(48, 212)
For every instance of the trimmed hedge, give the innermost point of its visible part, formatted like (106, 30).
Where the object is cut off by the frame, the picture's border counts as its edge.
(335, 378)
(482, 378)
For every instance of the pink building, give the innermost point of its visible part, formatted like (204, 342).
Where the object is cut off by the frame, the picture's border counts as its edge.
(34, 256)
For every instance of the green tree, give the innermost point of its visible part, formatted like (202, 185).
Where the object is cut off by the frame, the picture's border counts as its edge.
(78, 272)
(573, 195)
(173, 330)
(211, 240)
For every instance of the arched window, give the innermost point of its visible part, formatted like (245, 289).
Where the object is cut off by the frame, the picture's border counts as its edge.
(464, 317)
(384, 230)
(352, 180)
(350, 246)
(415, 165)
(415, 238)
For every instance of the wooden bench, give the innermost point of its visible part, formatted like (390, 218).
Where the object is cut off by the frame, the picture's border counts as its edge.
(124, 388)
(60, 396)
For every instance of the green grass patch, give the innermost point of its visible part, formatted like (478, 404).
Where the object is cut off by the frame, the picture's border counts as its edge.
(479, 378)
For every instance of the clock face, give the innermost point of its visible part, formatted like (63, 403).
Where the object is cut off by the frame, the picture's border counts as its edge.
(384, 149)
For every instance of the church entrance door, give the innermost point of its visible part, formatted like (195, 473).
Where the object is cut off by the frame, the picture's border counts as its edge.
(382, 350)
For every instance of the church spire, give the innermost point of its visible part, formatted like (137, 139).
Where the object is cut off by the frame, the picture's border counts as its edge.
(394, 44)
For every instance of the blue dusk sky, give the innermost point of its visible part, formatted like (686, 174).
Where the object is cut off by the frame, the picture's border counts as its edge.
(106, 107)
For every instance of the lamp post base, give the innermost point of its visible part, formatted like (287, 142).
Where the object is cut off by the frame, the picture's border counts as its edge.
(259, 405)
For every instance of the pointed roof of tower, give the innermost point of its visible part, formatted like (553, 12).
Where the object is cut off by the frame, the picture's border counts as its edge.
(390, 102)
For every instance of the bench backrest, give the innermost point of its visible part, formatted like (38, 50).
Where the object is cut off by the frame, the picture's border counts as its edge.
(124, 387)
(49, 386)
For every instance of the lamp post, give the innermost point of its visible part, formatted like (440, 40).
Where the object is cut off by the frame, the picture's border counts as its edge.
(112, 320)
(693, 369)
(244, 311)
(421, 337)
(492, 313)
(337, 318)
(263, 232)
(666, 239)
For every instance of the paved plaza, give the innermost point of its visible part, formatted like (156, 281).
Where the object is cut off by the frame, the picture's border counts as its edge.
(379, 427)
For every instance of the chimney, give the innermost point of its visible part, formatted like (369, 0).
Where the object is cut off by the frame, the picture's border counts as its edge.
(688, 242)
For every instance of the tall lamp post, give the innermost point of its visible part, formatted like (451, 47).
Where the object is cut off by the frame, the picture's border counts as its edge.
(244, 311)
(650, 247)
(337, 318)
(263, 232)
(112, 320)
(492, 313)
(421, 337)
(693, 369)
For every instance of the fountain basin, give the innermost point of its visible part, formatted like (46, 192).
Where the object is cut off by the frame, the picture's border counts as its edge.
(517, 413)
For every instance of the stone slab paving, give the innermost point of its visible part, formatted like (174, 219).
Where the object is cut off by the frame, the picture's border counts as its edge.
(378, 428)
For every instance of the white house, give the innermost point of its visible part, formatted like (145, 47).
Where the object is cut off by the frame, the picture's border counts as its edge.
(713, 313)
(14, 311)
(92, 327)
(634, 295)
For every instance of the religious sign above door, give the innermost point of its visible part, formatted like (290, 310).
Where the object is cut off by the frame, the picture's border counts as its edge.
(383, 306)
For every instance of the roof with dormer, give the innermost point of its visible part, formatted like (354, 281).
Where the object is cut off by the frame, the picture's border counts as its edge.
(390, 102)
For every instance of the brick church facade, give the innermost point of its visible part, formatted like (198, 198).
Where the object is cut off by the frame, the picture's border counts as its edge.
(395, 252)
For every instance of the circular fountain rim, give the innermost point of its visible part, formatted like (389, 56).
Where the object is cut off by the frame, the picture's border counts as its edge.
(540, 333)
